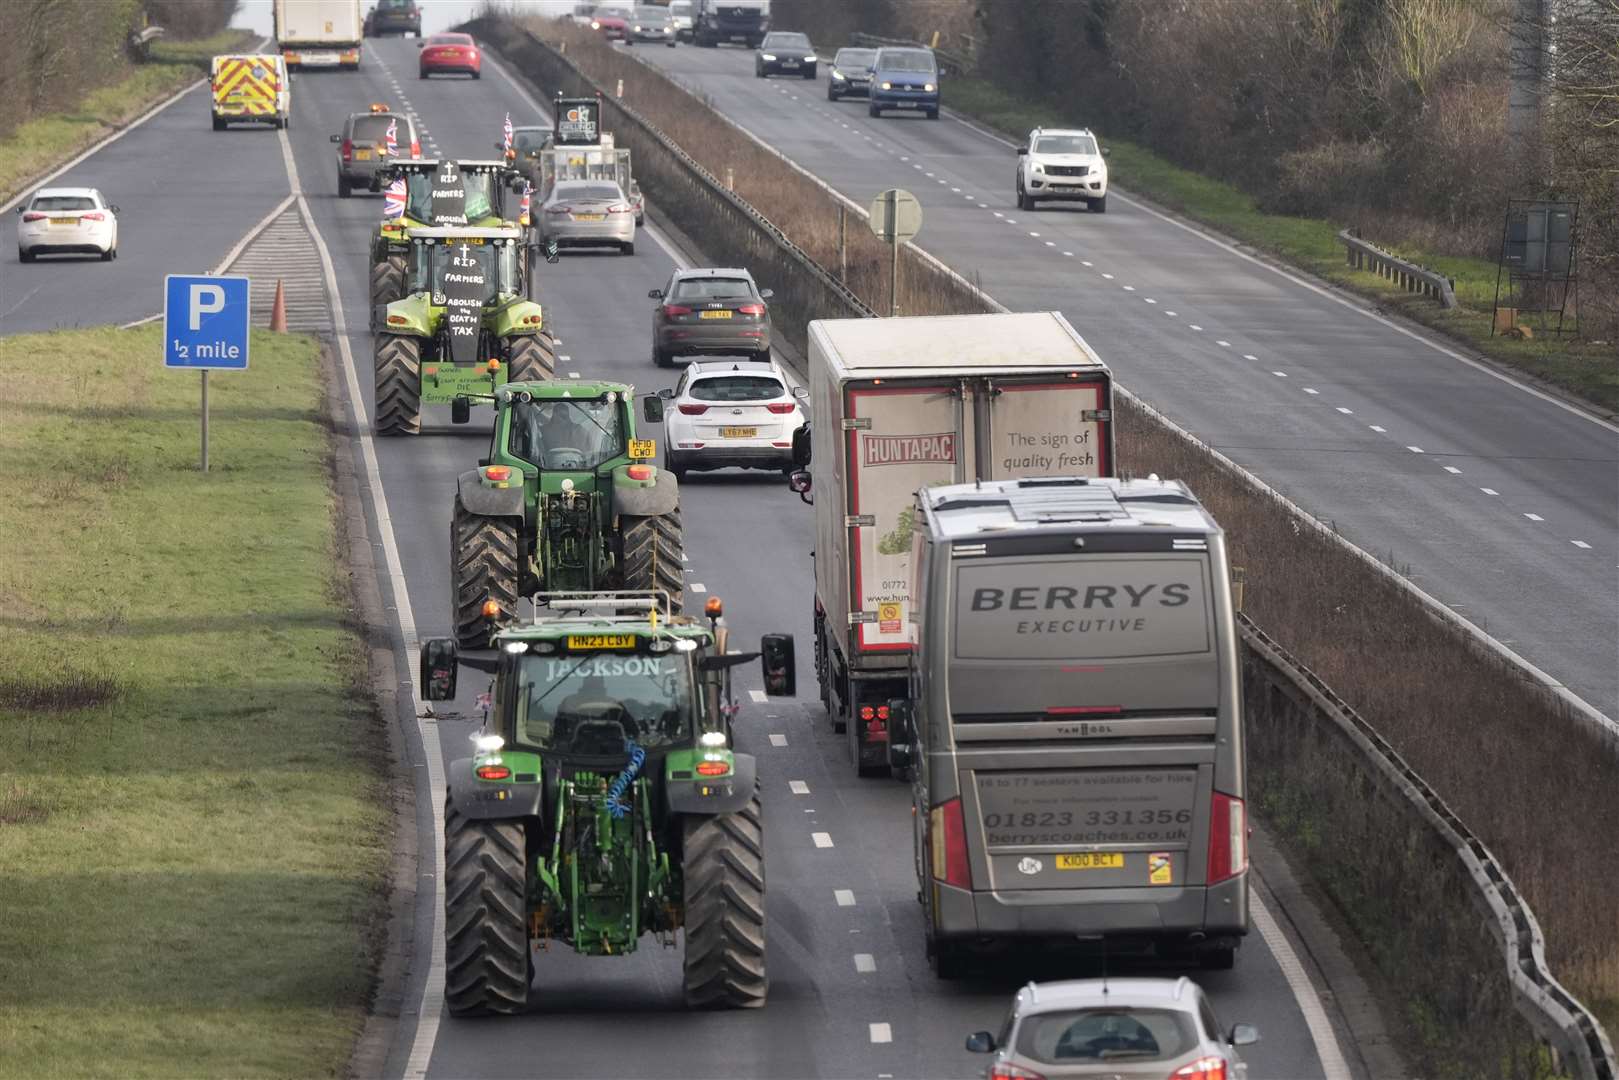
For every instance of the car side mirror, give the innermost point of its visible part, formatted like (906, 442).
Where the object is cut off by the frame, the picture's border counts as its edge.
(781, 670)
(981, 1042)
(652, 408)
(420, 43)
(439, 661)
(654, 294)
(1244, 1035)
(766, 294)
(667, 393)
(337, 138)
(799, 480)
(901, 735)
(1106, 151)
(1022, 150)
(114, 208)
(801, 445)
(801, 392)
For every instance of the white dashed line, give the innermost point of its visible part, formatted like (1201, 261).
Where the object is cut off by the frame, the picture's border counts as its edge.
(1085, 262)
(1034, 234)
(1108, 276)
(758, 696)
(1346, 412)
(1581, 544)
(1416, 450)
(1311, 390)
(1534, 517)
(798, 787)
(1280, 374)
(1011, 221)
(928, 174)
(1453, 470)
(956, 191)
(1379, 430)
(1149, 299)
(1223, 344)
(844, 897)
(1051, 243)
(882, 1033)
(1489, 491)
(822, 840)
(697, 587)
(865, 963)
(1128, 288)
(1249, 356)
(777, 739)
(1070, 254)
(1171, 314)
(997, 213)
(1194, 326)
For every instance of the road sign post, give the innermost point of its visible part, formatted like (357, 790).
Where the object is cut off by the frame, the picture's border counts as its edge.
(205, 328)
(896, 216)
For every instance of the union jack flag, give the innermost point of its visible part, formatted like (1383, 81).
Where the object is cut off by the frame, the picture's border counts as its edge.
(391, 140)
(393, 200)
(523, 208)
(506, 130)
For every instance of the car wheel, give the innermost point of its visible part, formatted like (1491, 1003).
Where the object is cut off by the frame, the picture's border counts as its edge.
(660, 358)
(1099, 206)
(831, 94)
(670, 44)
(627, 248)
(219, 125)
(477, 74)
(24, 255)
(872, 110)
(933, 114)
(809, 72)
(106, 256)
(422, 74)
(673, 465)
(344, 187)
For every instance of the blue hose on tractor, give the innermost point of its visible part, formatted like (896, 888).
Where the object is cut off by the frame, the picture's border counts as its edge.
(621, 783)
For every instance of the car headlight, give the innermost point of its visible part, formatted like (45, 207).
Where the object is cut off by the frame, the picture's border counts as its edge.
(928, 87)
(810, 59)
(887, 85)
(1039, 168)
(838, 75)
(767, 56)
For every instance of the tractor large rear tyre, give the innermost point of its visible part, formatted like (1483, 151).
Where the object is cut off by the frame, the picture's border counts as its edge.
(652, 555)
(387, 281)
(531, 358)
(486, 951)
(485, 564)
(724, 871)
(399, 385)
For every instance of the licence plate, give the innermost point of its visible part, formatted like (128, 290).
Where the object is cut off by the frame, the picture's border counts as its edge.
(739, 433)
(601, 641)
(590, 217)
(64, 221)
(643, 448)
(789, 63)
(362, 155)
(1092, 860)
(716, 315)
(907, 104)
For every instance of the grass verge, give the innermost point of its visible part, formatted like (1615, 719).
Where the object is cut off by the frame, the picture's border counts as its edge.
(192, 815)
(40, 144)
(1588, 370)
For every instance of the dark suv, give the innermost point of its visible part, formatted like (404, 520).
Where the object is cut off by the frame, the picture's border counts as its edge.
(714, 21)
(710, 312)
(394, 17)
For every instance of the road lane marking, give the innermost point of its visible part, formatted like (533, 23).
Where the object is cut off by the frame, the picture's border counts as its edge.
(758, 696)
(1453, 470)
(1171, 314)
(1581, 544)
(822, 840)
(1346, 412)
(777, 739)
(882, 1033)
(1223, 344)
(1489, 491)
(1416, 450)
(697, 587)
(1311, 390)
(1379, 430)
(1333, 1065)
(844, 897)
(1534, 517)
(1280, 374)
(1149, 299)
(865, 963)
(798, 787)
(1194, 326)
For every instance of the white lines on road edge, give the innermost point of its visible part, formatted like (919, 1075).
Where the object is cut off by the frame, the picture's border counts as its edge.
(1333, 1065)
(882, 1033)
(865, 963)
(798, 787)
(844, 897)
(758, 696)
(822, 839)
(777, 739)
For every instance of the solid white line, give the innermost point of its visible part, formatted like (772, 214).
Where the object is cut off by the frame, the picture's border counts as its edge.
(758, 696)
(822, 840)
(844, 897)
(865, 963)
(882, 1033)
(1333, 1065)
(777, 739)
(798, 787)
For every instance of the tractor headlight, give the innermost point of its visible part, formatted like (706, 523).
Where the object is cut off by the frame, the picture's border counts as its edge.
(516, 647)
(685, 645)
(712, 740)
(488, 744)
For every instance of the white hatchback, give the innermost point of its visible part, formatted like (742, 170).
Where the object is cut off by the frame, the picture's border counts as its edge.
(731, 414)
(61, 220)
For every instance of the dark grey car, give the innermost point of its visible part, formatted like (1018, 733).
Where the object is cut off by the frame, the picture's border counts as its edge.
(851, 74)
(363, 148)
(710, 312)
(785, 52)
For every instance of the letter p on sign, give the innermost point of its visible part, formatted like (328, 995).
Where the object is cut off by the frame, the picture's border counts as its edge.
(205, 300)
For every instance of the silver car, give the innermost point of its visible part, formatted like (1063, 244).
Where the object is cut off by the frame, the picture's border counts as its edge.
(587, 213)
(1123, 1029)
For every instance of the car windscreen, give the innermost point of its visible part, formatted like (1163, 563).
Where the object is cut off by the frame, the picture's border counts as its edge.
(1105, 1035)
(854, 58)
(419, 196)
(786, 41)
(737, 388)
(374, 129)
(713, 289)
(496, 262)
(1065, 144)
(596, 705)
(651, 15)
(680, 7)
(906, 60)
(450, 39)
(588, 193)
(63, 202)
(572, 434)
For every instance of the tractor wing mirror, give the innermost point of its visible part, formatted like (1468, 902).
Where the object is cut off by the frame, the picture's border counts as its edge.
(1022, 150)
(901, 734)
(801, 444)
(337, 138)
(439, 661)
(781, 669)
(652, 408)
(981, 1042)
(725, 661)
(766, 294)
(655, 294)
(799, 480)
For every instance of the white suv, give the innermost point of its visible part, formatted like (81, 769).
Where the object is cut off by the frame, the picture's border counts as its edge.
(1062, 163)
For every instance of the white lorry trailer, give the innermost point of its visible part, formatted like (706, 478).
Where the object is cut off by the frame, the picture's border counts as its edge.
(319, 33)
(896, 405)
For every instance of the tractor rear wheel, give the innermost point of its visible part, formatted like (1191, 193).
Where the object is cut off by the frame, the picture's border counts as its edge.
(652, 550)
(484, 565)
(387, 281)
(399, 385)
(531, 358)
(486, 952)
(724, 871)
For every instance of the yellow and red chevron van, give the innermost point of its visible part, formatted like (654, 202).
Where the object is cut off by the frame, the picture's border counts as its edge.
(251, 88)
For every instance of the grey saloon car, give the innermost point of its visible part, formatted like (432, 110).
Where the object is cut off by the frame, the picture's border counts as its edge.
(710, 312)
(588, 213)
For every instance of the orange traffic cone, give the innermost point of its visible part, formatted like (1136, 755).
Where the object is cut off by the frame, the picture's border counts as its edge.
(278, 310)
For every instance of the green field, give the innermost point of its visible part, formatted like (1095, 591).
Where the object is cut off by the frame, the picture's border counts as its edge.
(1587, 370)
(193, 814)
(47, 141)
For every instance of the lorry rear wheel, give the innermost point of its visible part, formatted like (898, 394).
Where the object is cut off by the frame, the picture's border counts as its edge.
(484, 565)
(530, 358)
(486, 953)
(724, 871)
(399, 385)
(652, 548)
(387, 280)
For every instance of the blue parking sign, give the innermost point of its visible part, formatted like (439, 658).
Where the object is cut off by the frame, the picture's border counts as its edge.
(205, 321)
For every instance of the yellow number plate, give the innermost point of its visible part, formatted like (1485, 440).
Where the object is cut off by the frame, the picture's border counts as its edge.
(590, 217)
(601, 641)
(64, 221)
(739, 433)
(362, 155)
(716, 315)
(643, 448)
(1092, 860)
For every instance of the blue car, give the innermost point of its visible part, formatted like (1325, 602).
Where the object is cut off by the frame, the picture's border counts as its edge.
(905, 77)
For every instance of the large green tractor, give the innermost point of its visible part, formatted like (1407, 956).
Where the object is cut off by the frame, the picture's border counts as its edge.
(604, 801)
(481, 194)
(568, 499)
(465, 327)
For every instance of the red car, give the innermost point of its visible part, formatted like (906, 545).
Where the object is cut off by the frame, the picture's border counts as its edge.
(443, 53)
(613, 23)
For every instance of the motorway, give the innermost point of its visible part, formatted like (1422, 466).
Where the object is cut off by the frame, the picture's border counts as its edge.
(851, 992)
(1503, 503)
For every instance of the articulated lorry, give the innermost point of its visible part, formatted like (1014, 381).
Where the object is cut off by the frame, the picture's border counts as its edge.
(319, 33)
(1077, 733)
(898, 404)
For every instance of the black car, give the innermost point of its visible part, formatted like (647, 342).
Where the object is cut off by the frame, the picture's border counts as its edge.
(394, 17)
(784, 52)
(851, 74)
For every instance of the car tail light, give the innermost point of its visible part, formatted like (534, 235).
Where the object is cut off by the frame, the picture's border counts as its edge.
(1005, 1071)
(348, 149)
(1204, 1068)
(713, 768)
(676, 309)
(781, 408)
(639, 472)
(492, 772)
(497, 473)
(34, 217)
(618, 208)
(415, 148)
(947, 832)
(559, 210)
(694, 410)
(752, 309)
(94, 215)
(1228, 843)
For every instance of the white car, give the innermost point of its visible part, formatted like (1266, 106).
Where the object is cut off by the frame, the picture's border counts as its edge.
(1062, 164)
(731, 414)
(67, 219)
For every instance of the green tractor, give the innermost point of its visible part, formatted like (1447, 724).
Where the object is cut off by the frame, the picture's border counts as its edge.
(568, 499)
(464, 328)
(604, 801)
(482, 194)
